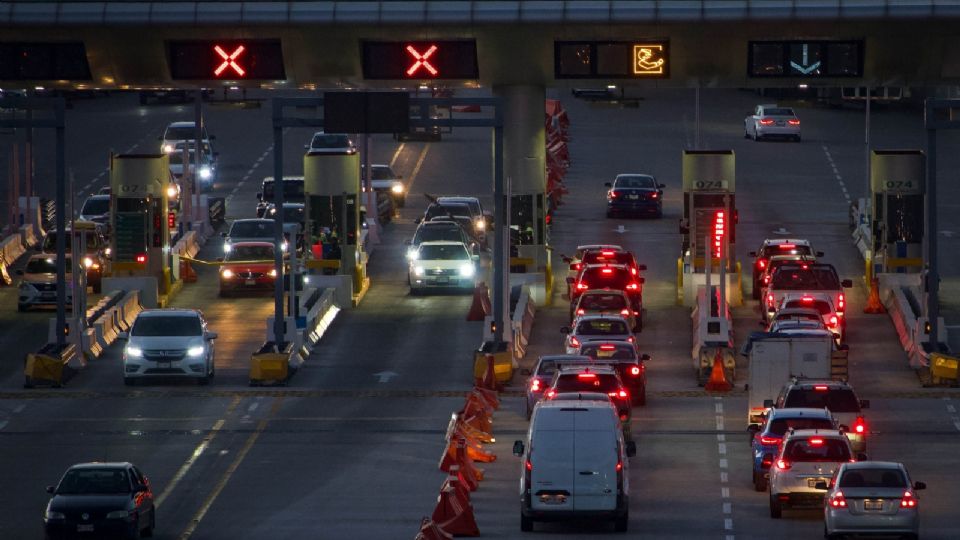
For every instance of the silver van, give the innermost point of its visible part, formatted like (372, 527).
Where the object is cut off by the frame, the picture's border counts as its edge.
(574, 464)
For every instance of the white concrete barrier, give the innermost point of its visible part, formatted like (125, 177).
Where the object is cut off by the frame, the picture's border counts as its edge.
(11, 248)
(522, 323)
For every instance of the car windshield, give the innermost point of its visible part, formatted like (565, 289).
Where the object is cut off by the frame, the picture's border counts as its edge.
(96, 207)
(250, 253)
(798, 317)
(183, 133)
(444, 210)
(873, 478)
(382, 173)
(780, 111)
(819, 305)
(176, 158)
(443, 252)
(614, 278)
(587, 382)
(812, 279)
(607, 257)
(252, 229)
(292, 191)
(546, 367)
(44, 265)
(94, 482)
(291, 214)
(50, 242)
(601, 327)
(167, 325)
(473, 205)
(837, 400)
(817, 449)
(609, 352)
(636, 182)
(779, 426)
(603, 302)
(785, 249)
(438, 234)
(330, 140)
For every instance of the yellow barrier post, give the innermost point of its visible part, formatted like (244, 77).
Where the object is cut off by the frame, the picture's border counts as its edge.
(267, 366)
(679, 281)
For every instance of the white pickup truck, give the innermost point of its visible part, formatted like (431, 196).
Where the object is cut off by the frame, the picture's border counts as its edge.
(775, 358)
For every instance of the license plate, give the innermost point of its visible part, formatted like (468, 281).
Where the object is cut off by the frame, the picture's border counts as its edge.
(84, 528)
(604, 354)
(633, 197)
(780, 122)
(812, 482)
(873, 505)
(443, 280)
(251, 282)
(163, 364)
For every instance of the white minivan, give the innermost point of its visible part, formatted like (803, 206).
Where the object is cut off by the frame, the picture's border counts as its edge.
(574, 464)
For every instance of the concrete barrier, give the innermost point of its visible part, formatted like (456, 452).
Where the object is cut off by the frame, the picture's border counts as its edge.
(49, 365)
(902, 295)
(522, 323)
(11, 249)
(147, 287)
(29, 236)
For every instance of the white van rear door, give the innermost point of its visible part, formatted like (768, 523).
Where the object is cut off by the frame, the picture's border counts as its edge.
(551, 478)
(595, 470)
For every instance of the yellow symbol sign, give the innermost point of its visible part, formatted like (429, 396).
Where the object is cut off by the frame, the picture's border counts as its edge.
(648, 59)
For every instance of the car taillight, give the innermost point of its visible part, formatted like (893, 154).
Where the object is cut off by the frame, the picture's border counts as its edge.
(608, 347)
(766, 461)
(821, 388)
(622, 394)
(908, 500)
(635, 370)
(816, 442)
(787, 246)
(860, 426)
(633, 286)
(625, 312)
(837, 501)
(550, 394)
(575, 266)
(630, 339)
(806, 299)
(581, 312)
(833, 320)
(613, 194)
(766, 280)
(529, 465)
(535, 385)
(586, 375)
(633, 271)
(783, 464)
(841, 302)
(769, 441)
(761, 264)
(606, 270)
(793, 122)
(766, 121)
(607, 253)
(574, 342)
(654, 195)
(619, 465)
(582, 286)
(770, 300)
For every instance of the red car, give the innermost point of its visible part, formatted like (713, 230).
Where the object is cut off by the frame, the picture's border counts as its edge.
(610, 276)
(248, 266)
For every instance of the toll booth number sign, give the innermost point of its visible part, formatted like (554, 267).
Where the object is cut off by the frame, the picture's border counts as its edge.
(640, 59)
(229, 60)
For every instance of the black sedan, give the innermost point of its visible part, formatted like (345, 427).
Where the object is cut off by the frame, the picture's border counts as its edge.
(634, 194)
(100, 500)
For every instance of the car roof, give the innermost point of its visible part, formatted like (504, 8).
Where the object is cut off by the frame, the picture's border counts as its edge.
(45, 256)
(458, 198)
(564, 358)
(804, 433)
(285, 179)
(175, 312)
(563, 404)
(438, 222)
(599, 317)
(99, 197)
(603, 291)
(581, 396)
(792, 257)
(601, 369)
(441, 243)
(807, 383)
(799, 412)
(874, 465)
(181, 124)
(102, 465)
(778, 241)
(255, 244)
(799, 311)
(585, 247)
(607, 342)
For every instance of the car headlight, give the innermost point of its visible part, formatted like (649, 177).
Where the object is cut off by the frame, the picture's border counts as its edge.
(195, 352)
(205, 173)
(412, 254)
(480, 225)
(306, 279)
(418, 271)
(107, 252)
(87, 262)
(50, 514)
(467, 270)
(273, 272)
(284, 246)
(167, 148)
(227, 247)
(397, 188)
(118, 514)
(171, 192)
(134, 352)
(227, 273)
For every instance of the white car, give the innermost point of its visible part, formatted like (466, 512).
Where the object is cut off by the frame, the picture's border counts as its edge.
(208, 166)
(442, 265)
(96, 209)
(330, 143)
(382, 178)
(806, 458)
(178, 132)
(250, 230)
(39, 285)
(168, 342)
(872, 497)
(770, 121)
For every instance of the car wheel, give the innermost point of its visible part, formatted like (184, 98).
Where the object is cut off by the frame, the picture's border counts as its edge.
(148, 532)
(526, 523)
(129, 381)
(776, 508)
(621, 523)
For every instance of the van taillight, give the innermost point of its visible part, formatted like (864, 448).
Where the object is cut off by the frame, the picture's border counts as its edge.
(860, 426)
(625, 312)
(635, 370)
(529, 465)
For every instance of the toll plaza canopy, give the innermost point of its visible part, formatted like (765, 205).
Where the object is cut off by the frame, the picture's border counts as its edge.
(735, 43)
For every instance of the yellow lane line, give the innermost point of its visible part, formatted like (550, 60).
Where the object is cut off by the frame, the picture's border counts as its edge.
(222, 483)
(197, 452)
(396, 154)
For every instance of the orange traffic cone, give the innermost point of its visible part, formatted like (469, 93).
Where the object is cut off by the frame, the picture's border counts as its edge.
(460, 520)
(874, 305)
(429, 530)
(478, 310)
(718, 378)
(453, 482)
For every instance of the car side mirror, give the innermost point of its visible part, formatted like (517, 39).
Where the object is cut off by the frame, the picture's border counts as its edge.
(820, 485)
(570, 281)
(642, 267)
(846, 284)
(661, 186)
(223, 235)
(123, 335)
(864, 403)
(418, 221)
(50, 490)
(819, 254)
(518, 448)
(564, 329)
(607, 184)
(862, 456)
(19, 272)
(631, 448)
(753, 253)
(212, 335)
(753, 428)
(919, 485)
(768, 403)
(644, 357)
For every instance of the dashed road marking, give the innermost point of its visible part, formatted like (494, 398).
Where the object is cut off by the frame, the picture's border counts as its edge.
(727, 506)
(396, 154)
(836, 173)
(19, 408)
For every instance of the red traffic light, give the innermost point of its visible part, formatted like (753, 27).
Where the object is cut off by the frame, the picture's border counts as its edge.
(171, 220)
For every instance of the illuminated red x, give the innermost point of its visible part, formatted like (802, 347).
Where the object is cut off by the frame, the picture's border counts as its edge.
(421, 60)
(229, 60)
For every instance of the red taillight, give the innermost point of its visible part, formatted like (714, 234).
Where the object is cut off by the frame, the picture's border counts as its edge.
(586, 375)
(582, 286)
(783, 464)
(633, 286)
(860, 426)
(787, 246)
(606, 270)
(804, 267)
(841, 301)
(574, 342)
(608, 348)
(529, 465)
(607, 253)
(833, 320)
(761, 263)
(793, 122)
(625, 312)
(575, 266)
(806, 299)
(766, 280)
(766, 461)
(837, 501)
(535, 385)
(613, 194)
(619, 466)
(816, 442)
(908, 500)
(550, 394)
(633, 271)
(769, 441)
(821, 388)
(622, 394)
(770, 300)
(581, 312)
(654, 195)
(630, 339)
(635, 370)
(766, 121)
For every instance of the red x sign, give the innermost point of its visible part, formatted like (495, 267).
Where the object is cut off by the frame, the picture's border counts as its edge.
(421, 60)
(229, 60)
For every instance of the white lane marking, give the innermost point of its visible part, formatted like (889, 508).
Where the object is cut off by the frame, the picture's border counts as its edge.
(951, 409)
(19, 408)
(719, 423)
(727, 508)
(836, 173)
(956, 423)
(721, 437)
(718, 407)
(722, 448)
(197, 452)
(396, 154)
(253, 406)
(416, 168)
(728, 524)
(724, 477)
(724, 464)
(728, 537)
(725, 492)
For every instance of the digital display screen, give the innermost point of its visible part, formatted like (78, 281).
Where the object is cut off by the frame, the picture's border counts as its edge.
(44, 62)
(230, 60)
(420, 60)
(805, 59)
(640, 59)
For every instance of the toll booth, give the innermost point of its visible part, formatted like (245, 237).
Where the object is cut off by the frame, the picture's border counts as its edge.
(332, 229)
(897, 194)
(708, 226)
(141, 219)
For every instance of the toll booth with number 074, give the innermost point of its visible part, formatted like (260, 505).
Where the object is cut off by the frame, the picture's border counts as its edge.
(897, 190)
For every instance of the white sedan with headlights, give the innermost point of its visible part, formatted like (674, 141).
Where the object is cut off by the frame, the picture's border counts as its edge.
(168, 342)
(442, 265)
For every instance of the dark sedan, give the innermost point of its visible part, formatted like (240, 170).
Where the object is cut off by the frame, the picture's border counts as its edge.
(634, 194)
(100, 500)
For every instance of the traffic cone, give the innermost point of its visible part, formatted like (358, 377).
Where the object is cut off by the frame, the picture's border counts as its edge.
(874, 305)
(718, 378)
(481, 436)
(187, 274)
(466, 464)
(453, 482)
(466, 482)
(478, 311)
(429, 530)
(459, 519)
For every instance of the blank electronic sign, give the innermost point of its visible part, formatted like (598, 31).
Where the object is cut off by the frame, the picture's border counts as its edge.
(43, 62)
(420, 60)
(805, 59)
(638, 59)
(243, 59)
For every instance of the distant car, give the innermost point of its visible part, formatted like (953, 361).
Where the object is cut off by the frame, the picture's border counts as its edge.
(807, 278)
(772, 121)
(95, 256)
(292, 192)
(623, 356)
(169, 342)
(776, 261)
(248, 266)
(101, 500)
(482, 220)
(606, 302)
(383, 179)
(38, 288)
(613, 256)
(872, 498)
(179, 132)
(575, 262)
(634, 194)
(834, 320)
(442, 265)
(588, 328)
(330, 143)
(294, 221)
(768, 436)
(249, 230)
(837, 396)
(805, 462)
(542, 373)
(777, 246)
(207, 176)
(440, 230)
(96, 209)
(609, 276)
(593, 379)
